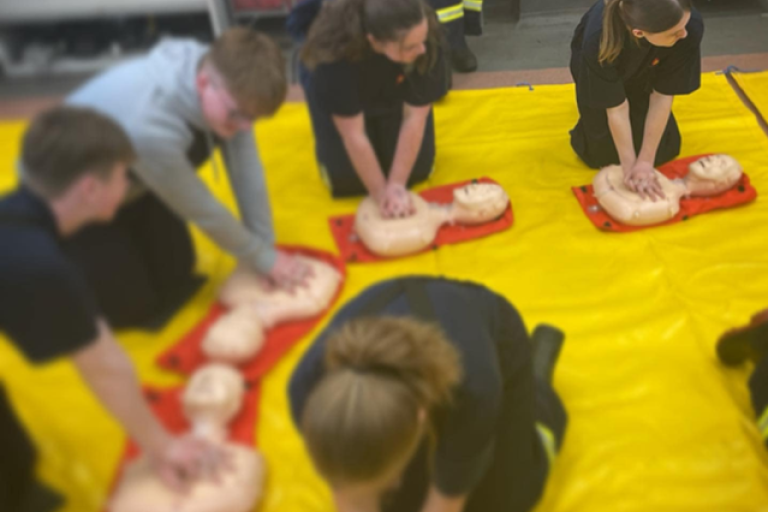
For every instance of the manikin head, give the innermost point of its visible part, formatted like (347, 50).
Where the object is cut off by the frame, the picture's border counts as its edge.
(212, 398)
(661, 22)
(383, 377)
(712, 175)
(77, 160)
(236, 337)
(477, 203)
(241, 78)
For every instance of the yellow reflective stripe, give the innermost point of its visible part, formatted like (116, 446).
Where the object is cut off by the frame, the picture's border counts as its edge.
(548, 440)
(473, 5)
(763, 424)
(451, 13)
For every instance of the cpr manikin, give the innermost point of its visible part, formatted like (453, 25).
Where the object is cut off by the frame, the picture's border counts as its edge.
(255, 307)
(708, 176)
(212, 398)
(475, 203)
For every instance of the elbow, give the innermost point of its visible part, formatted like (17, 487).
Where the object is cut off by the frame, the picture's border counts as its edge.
(619, 109)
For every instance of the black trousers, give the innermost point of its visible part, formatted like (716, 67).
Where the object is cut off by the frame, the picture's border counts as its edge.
(383, 130)
(513, 483)
(591, 139)
(515, 479)
(17, 462)
(469, 22)
(758, 387)
(140, 266)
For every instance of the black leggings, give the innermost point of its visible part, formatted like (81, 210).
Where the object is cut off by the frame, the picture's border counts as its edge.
(383, 130)
(139, 265)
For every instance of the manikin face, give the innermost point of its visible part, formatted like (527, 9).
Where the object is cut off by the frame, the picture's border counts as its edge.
(409, 48)
(715, 167)
(669, 37)
(220, 109)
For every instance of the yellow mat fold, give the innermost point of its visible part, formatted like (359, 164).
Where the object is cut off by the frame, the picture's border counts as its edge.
(755, 85)
(655, 423)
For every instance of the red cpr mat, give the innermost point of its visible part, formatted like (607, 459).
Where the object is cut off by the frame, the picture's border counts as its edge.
(352, 249)
(740, 194)
(166, 404)
(186, 356)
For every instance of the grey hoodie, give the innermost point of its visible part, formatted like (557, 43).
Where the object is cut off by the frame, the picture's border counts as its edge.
(155, 100)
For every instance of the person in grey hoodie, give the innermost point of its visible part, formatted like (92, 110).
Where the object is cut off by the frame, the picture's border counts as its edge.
(177, 104)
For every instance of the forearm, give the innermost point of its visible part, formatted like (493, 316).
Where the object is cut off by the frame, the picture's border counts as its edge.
(438, 502)
(408, 144)
(621, 131)
(366, 164)
(177, 185)
(655, 123)
(110, 375)
(246, 173)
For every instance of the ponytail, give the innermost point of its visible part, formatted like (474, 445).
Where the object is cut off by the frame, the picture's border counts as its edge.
(622, 16)
(381, 375)
(614, 32)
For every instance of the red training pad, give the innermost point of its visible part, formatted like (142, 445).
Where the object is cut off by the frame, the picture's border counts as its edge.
(353, 250)
(166, 404)
(186, 355)
(743, 192)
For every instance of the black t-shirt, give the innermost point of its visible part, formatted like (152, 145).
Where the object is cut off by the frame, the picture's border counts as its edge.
(640, 68)
(375, 85)
(46, 307)
(466, 431)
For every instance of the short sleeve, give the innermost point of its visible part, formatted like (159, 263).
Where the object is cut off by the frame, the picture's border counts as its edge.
(425, 89)
(598, 85)
(679, 70)
(49, 312)
(336, 89)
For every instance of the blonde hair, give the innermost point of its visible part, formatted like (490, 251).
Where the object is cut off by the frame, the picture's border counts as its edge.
(621, 16)
(253, 69)
(380, 373)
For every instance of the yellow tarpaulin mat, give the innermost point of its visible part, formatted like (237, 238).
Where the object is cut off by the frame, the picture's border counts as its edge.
(656, 424)
(755, 85)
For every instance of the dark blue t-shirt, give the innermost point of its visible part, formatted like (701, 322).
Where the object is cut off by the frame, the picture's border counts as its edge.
(46, 307)
(375, 85)
(492, 342)
(640, 68)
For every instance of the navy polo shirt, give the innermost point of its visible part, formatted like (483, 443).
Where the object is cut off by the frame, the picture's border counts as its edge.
(46, 307)
(640, 68)
(375, 85)
(466, 431)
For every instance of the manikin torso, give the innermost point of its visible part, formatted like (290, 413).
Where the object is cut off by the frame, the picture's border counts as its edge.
(254, 308)
(707, 176)
(475, 203)
(211, 399)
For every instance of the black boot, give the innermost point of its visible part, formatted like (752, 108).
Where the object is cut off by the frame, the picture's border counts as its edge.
(463, 60)
(460, 56)
(749, 342)
(547, 342)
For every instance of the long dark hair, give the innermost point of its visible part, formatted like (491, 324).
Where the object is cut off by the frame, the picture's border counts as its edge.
(339, 32)
(652, 16)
